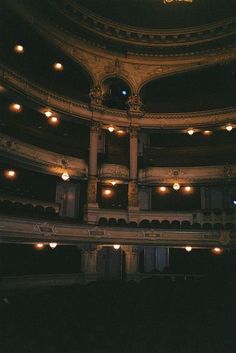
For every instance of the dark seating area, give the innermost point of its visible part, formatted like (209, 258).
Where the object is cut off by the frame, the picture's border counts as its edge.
(193, 156)
(165, 224)
(155, 315)
(18, 209)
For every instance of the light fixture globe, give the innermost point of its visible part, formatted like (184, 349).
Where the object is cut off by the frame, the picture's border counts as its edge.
(188, 248)
(229, 127)
(111, 128)
(190, 131)
(65, 176)
(116, 246)
(53, 245)
(19, 49)
(176, 186)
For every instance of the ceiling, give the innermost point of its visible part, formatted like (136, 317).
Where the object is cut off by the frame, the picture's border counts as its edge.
(155, 14)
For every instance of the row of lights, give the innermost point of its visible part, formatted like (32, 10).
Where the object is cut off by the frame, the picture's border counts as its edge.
(229, 127)
(11, 174)
(40, 246)
(176, 187)
(16, 107)
(52, 118)
(216, 251)
(19, 49)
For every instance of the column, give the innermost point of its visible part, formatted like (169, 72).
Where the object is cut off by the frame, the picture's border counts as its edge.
(131, 261)
(91, 208)
(133, 205)
(89, 262)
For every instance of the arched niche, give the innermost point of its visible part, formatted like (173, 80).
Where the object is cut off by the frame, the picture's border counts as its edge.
(197, 90)
(116, 92)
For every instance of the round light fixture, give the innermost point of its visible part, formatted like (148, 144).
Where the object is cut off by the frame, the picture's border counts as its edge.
(39, 246)
(120, 132)
(229, 127)
(107, 192)
(124, 92)
(53, 120)
(15, 107)
(53, 245)
(190, 131)
(188, 188)
(48, 113)
(111, 128)
(188, 248)
(10, 174)
(176, 186)
(116, 247)
(65, 176)
(207, 132)
(58, 67)
(19, 49)
(113, 183)
(162, 188)
(217, 251)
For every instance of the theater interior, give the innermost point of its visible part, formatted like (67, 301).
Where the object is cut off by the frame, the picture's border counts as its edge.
(117, 176)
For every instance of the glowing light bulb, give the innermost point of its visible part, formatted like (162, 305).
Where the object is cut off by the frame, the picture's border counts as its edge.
(190, 131)
(58, 67)
(162, 188)
(65, 176)
(111, 129)
(217, 251)
(39, 246)
(10, 174)
(116, 247)
(188, 248)
(53, 120)
(207, 132)
(19, 49)
(176, 186)
(15, 107)
(113, 183)
(53, 245)
(187, 188)
(107, 192)
(48, 113)
(229, 127)
(120, 132)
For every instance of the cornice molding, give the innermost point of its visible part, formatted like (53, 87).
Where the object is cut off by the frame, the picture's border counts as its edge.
(141, 36)
(79, 48)
(189, 175)
(50, 162)
(108, 116)
(40, 159)
(25, 230)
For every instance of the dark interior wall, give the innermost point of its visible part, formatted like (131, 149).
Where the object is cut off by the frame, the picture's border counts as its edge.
(38, 57)
(172, 200)
(27, 183)
(16, 259)
(118, 197)
(197, 90)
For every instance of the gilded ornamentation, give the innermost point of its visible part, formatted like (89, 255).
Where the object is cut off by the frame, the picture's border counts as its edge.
(135, 103)
(96, 95)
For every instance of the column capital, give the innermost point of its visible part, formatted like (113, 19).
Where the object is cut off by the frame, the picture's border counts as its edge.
(94, 126)
(133, 131)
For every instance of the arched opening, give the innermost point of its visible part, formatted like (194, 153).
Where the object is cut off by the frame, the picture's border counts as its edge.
(116, 93)
(202, 89)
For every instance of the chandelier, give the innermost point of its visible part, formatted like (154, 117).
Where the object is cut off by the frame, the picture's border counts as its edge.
(170, 1)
